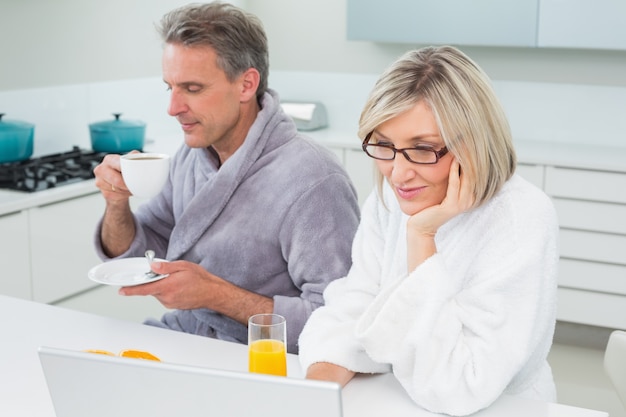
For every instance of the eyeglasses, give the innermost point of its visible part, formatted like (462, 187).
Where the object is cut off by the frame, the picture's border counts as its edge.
(417, 155)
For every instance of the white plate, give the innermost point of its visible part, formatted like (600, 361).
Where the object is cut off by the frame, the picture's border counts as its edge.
(123, 272)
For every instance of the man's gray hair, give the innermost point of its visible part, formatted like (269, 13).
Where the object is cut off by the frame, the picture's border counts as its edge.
(237, 37)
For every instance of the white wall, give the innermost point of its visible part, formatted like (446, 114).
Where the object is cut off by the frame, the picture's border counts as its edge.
(78, 41)
(67, 63)
(57, 42)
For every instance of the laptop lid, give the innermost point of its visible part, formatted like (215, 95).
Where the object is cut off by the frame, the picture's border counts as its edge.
(86, 384)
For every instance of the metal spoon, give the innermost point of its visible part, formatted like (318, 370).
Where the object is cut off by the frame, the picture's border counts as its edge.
(150, 257)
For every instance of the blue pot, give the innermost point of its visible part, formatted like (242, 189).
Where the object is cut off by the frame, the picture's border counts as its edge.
(117, 136)
(16, 140)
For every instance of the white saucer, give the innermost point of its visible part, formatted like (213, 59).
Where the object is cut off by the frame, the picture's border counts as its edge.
(124, 272)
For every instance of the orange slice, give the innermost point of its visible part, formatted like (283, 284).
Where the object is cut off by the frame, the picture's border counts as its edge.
(100, 352)
(139, 354)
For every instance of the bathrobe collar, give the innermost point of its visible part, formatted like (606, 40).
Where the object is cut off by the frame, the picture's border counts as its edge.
(271, 128)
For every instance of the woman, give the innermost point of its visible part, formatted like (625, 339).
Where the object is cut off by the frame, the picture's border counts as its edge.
(454, 274)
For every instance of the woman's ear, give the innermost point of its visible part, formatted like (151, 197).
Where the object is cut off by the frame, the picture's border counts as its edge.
(250, 80)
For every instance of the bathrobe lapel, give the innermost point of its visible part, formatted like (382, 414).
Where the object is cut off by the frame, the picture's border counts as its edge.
(208, 204)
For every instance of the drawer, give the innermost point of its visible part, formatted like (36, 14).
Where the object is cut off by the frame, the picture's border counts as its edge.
(61, 245)
(15, 256)
(532, 173)
(593, 276)
(586, 184)
(591, 308)
(591, 215)
(592, 246)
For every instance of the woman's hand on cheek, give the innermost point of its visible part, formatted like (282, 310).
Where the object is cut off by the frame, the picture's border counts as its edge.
(459, 198)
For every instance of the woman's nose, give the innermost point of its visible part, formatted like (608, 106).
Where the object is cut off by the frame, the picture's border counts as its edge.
(403, 170)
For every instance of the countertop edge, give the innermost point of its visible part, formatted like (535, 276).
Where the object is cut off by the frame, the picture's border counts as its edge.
(16, 201)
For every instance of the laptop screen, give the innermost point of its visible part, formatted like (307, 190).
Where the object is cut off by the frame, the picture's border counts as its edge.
(86, 384)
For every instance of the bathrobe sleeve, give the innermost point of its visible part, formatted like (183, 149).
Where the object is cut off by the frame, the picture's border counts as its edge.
(329, 334)
(153, 234)
(316, 244)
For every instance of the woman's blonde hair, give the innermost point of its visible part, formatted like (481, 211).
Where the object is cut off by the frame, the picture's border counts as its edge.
(471, 120)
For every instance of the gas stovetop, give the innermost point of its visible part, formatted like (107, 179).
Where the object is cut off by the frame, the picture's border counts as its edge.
(49, 171)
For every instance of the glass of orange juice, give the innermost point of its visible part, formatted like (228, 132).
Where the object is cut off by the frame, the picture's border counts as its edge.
(267, 344)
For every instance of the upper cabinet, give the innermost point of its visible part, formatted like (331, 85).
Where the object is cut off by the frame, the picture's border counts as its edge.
(591, 24)
(596, 24)
(468, 22)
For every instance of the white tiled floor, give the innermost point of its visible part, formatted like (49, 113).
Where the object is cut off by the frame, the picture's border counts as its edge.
(576, 357)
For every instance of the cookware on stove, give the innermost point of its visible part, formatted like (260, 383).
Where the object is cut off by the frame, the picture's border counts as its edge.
(48, 171)
(117, 135)
(16, 140)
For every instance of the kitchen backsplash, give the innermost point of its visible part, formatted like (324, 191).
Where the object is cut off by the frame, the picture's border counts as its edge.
(62, 114)
(594, 115)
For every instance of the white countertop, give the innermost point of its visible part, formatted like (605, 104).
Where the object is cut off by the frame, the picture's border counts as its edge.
(29, 325)
(600, 157)
(607, 158)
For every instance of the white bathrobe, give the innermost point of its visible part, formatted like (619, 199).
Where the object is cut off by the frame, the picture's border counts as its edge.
(473, 321)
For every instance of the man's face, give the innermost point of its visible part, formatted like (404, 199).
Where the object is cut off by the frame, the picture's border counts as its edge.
(205, 103)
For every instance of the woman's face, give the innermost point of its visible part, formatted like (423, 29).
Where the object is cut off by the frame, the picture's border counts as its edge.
(416, 186)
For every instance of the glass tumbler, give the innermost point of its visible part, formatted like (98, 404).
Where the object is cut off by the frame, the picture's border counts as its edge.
(267, 344)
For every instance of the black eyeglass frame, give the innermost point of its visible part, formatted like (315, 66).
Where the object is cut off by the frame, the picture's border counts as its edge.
(438, 154)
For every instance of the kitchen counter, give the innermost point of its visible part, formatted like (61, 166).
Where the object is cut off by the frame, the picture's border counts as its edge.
(23, 390)
(607, 158)
(574, 155)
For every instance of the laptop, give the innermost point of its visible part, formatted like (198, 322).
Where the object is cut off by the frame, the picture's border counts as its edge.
(87, 384)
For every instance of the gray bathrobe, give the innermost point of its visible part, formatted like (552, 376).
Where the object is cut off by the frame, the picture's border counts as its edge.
(277, 218)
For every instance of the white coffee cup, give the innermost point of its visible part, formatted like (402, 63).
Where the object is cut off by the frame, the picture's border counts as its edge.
(145, 173)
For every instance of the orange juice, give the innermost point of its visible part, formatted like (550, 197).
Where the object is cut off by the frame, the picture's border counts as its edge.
(268, 356)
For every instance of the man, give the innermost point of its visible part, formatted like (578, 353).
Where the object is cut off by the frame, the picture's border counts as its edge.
(255, 218)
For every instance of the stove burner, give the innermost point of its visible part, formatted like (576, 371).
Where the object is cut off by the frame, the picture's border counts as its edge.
(50, 171)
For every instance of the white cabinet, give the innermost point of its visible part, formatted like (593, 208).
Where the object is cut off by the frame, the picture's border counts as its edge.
(362, 171)
(466, 22)
(594, 24)
(15, 255)
(61, 244)
(46, 251)
(593, 216)
(585, 184)
(591, 206)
